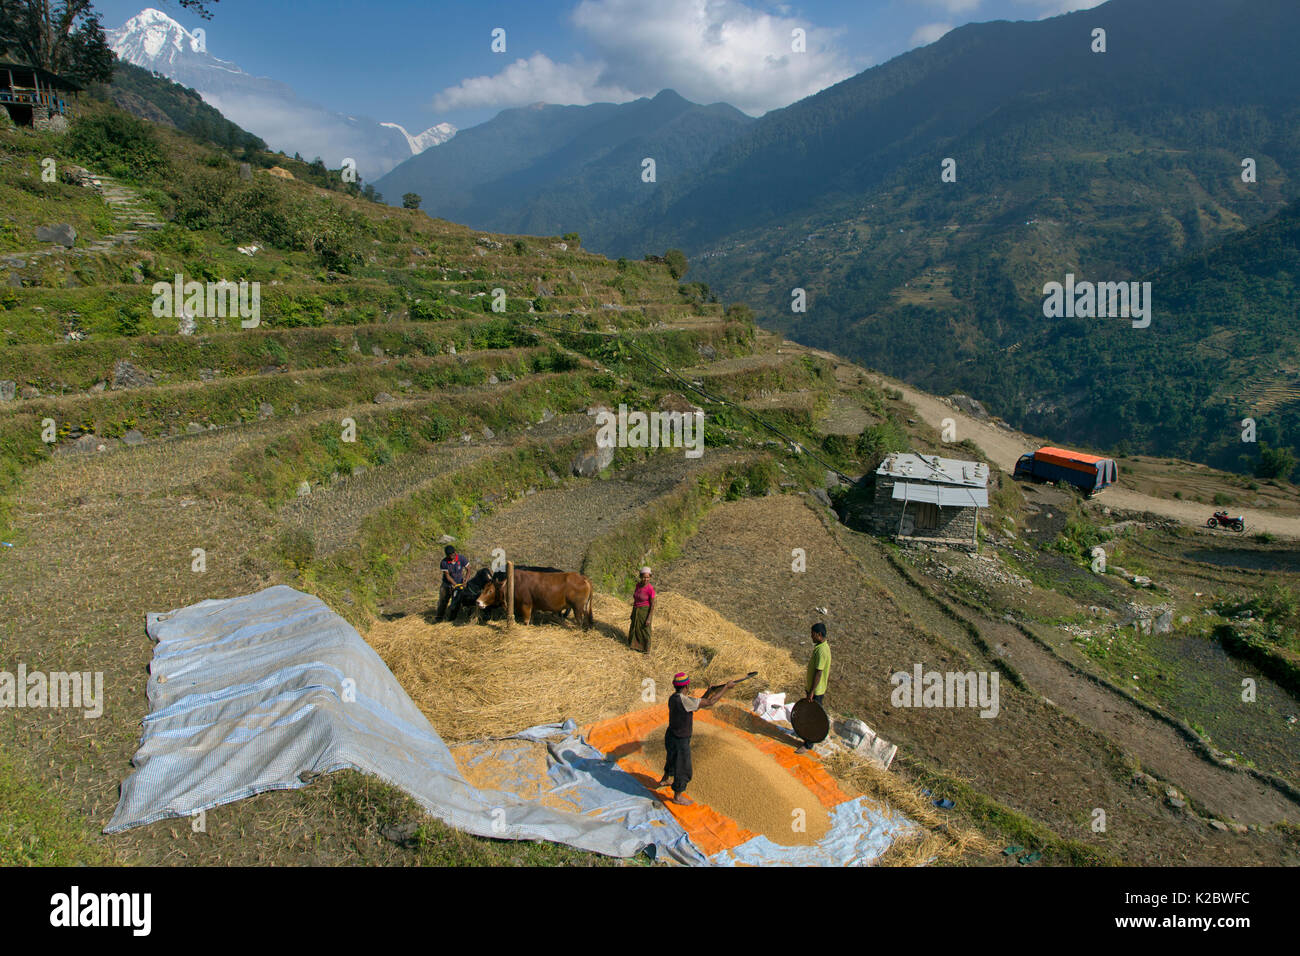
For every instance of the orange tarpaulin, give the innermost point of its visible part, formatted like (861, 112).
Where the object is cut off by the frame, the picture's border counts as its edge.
(709, 830)
(1076, 460)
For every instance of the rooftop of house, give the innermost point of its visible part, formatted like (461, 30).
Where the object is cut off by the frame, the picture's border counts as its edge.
(932, 468)
(22, 76)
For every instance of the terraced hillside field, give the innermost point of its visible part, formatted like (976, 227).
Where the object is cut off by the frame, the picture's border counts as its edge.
(382, 405)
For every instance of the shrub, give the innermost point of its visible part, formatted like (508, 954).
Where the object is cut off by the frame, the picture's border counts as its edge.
(117, 143)
(739, 312)
(435, 428)
(677, 264)
(1274, 462)
(880, 440)
(838, 446)
(297, 547)
(555, 360)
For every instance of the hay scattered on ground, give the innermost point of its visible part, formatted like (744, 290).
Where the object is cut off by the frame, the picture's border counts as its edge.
(935, 841)
(739, 781)
(483, 680)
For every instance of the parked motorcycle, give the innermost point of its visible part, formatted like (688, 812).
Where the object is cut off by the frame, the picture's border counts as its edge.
(1223, 519)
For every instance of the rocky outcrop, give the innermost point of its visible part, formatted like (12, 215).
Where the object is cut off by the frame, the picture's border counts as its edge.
(61, 233)
(126, 375)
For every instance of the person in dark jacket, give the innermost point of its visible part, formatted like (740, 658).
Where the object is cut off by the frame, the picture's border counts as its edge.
(452, 590)
(682, 706)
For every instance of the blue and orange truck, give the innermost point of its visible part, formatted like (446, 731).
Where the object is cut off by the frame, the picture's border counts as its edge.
(1089, 473)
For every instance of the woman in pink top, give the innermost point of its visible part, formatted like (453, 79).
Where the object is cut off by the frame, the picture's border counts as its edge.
(643, 609)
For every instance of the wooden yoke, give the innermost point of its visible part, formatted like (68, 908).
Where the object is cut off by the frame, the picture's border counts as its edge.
(510, 594)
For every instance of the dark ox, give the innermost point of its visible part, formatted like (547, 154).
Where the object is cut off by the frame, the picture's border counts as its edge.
(554, 592)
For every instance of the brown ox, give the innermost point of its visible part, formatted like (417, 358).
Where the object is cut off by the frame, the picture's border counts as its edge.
(553, 592)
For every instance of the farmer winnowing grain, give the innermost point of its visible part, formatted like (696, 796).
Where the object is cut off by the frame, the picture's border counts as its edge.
(819, 671)
(643, 610)
(677, 738)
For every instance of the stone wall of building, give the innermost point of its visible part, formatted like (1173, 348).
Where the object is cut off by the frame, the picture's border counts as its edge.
(954, 523)
(45, 119)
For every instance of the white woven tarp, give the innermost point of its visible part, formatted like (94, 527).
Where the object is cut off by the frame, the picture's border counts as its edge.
(267, 691)
(264, 692)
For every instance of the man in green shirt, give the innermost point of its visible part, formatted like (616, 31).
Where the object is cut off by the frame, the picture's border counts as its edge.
(819, 671)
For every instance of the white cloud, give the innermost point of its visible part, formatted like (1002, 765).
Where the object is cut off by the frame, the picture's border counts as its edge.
(536, 79)
(706, 50)
(1053, 8)
(952, 6)
(929, 33)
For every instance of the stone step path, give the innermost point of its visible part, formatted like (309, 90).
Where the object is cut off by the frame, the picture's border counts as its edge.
(129, 209)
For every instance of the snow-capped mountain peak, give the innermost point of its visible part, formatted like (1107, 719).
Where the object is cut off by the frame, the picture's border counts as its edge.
(268, 107)
(433, 136)
(154, 40)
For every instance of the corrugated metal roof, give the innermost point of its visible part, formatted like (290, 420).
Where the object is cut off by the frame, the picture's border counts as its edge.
(944, 497)
(947, 471)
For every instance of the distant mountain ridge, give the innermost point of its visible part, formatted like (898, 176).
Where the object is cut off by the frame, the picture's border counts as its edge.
(1113, 166)
(547, 169)
(153, 97)
(271, 109)
(1224, 346)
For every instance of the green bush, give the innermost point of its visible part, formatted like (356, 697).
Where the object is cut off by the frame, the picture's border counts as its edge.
(119, 144)
(677, 264)
(1078, 539)
(877, 441)
(1274, 462)
(555, 360)
(435, 428)
(838, 446)
(296, 546)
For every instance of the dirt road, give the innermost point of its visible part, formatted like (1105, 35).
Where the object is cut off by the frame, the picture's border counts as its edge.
(1005, 446)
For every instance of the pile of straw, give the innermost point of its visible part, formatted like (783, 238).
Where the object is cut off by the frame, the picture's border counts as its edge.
(935, 840)
(484, 680)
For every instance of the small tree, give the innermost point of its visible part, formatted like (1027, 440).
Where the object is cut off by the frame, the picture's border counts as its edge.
(739, 312)
(1274, 462)
(677, 264)
(411, 200)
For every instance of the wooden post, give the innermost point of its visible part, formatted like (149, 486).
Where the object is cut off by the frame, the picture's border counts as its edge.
(510, 594)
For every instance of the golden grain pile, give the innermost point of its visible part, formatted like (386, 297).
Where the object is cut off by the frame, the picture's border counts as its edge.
(475, 681)
(741, 782)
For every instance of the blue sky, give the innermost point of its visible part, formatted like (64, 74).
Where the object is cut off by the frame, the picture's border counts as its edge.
(420, 63)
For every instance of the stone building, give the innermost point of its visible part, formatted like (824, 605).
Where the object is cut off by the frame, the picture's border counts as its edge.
(35, 97)
(925, 497)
